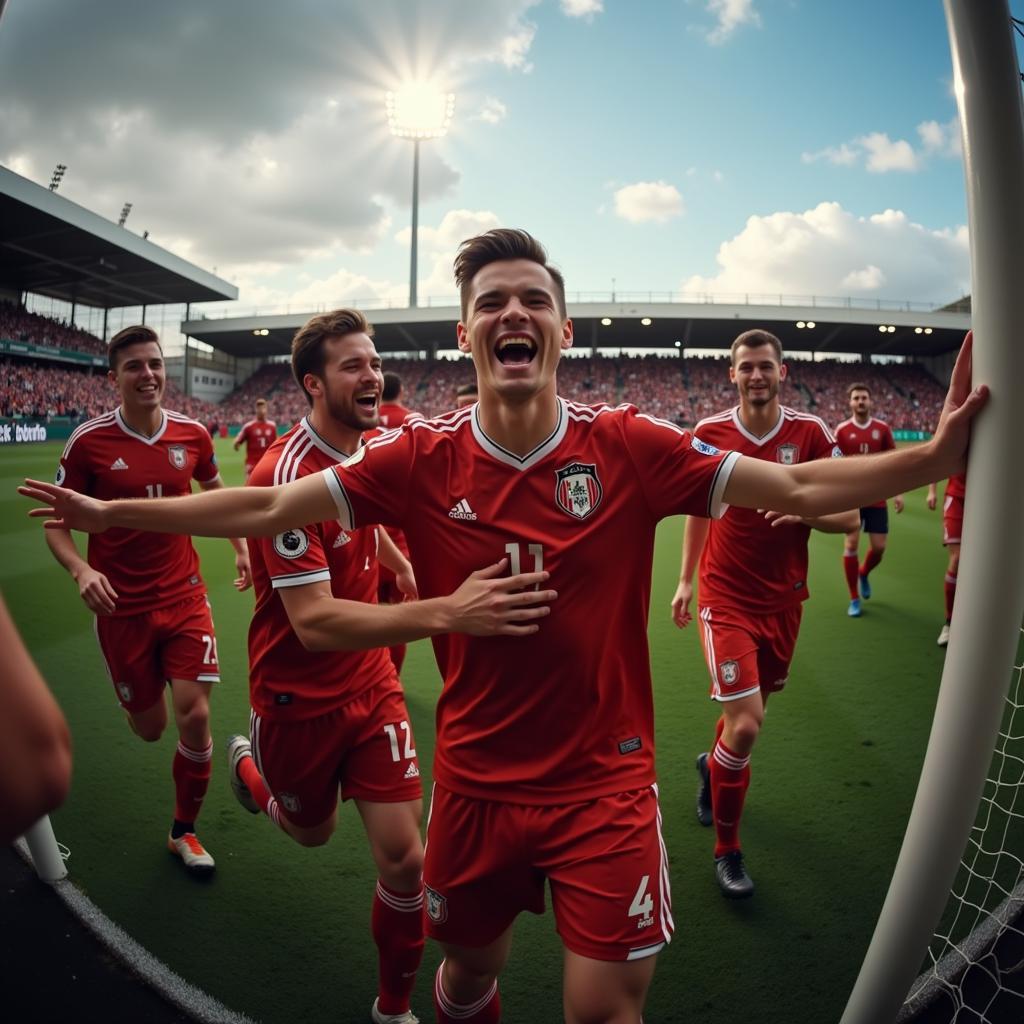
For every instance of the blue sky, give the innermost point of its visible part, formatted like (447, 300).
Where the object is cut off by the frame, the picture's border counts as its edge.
(691, 146)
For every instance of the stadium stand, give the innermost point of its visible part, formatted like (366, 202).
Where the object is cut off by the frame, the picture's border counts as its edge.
(18, 324)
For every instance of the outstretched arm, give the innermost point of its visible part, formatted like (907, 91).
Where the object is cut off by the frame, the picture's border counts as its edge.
(827, 486)
(227, 512)
(244, 579)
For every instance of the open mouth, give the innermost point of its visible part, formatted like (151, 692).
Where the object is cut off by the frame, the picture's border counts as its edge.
(367, 401)
(516, 351)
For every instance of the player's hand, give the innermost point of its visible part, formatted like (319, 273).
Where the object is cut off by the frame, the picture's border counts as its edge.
(962, 404)
(244, 570)
(931, 499)
(64, 509)
(681, 615)
(491, 604)
(781, 518)
(95, 590)
(898, 503)
(405, 580)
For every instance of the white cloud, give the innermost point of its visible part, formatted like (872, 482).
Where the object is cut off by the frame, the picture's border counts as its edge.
(842, 156)
(647, 201)
(582, 8)
(492, 111)
(941, 139)
(829, 252)
(279, 157)
(882, 154)
(868, 279)
(885, 154)
(729, 16)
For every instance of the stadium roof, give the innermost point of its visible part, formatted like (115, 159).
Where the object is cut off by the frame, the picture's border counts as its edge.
(692, 325)
(52, 246)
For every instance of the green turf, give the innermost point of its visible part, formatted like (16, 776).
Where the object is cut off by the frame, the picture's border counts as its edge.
(282, 933)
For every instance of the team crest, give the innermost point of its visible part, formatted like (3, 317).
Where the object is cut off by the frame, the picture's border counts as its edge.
(291, 543)
(729, 671)
(437, 905)
(124, 691)
(290, 802)
(178, 454)
(578, 490)
(788, 454)
(875, 435)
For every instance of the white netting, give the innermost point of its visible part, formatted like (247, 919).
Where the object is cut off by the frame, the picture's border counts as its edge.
(975, 965)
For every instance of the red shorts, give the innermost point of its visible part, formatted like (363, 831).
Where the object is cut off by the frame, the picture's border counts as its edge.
(605, 861)
(144, 651)
(366, 747)
(747, 653)
(952, 519)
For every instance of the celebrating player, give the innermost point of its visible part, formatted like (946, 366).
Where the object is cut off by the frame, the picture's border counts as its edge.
(952, 528)
(258, 435)
(392, 413)
(753, 582)
(153, 620)
(863, 434)
(544, 765)
(466, 394)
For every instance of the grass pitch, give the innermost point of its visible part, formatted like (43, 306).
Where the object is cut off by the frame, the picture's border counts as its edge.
(281, 933)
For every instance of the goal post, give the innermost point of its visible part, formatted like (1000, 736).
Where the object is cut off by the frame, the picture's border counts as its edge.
(990, 588)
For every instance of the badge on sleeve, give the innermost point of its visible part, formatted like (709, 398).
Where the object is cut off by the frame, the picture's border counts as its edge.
(291, 543)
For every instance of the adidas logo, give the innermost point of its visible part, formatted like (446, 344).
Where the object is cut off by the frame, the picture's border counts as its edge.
(461, 510)
(342, 538)
(412, 772)
(119, 464)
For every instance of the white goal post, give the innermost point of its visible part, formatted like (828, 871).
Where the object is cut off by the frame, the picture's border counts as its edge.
(990, 588)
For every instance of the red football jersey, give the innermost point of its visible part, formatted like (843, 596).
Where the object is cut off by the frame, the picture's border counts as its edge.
(874, 436)
(258, 436)
(107, 459)
(393, 415)
(956, 486)
(285, 680)
(747, 563)
(565, 714)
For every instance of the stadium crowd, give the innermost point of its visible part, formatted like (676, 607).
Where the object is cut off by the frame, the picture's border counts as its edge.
(681, 390)
(18, 324)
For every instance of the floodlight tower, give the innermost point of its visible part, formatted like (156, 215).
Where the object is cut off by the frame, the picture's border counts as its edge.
(418, 111)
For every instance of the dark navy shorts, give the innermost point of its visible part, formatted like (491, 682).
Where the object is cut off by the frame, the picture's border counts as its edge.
(874, 520)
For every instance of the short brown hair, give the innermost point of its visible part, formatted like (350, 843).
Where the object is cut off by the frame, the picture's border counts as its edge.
(755, 339)
(127, 336)
(464, 390)
(308, 343)
(858, 386)
(261, 401)
(502, 244)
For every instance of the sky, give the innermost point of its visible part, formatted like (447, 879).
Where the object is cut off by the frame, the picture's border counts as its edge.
(678, 147)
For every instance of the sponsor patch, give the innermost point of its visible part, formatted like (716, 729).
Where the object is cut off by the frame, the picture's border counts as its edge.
(837, 452)
(437, 905)
(178, 454)
(578, 490)
(61, 474)
(729, 671)
(788, 454)
(291, 543)
(702, 447)
(283, 699)
(124, 691)
(630, 745)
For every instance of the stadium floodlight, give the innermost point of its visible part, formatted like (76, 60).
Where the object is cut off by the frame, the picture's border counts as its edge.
(261, 332)
(800, 325)
(125, 210)
(646, 321)
(58, 174)
(418, 111)
(606, 321)
(918, 330)
(811, 325)
(927, 330)
(891, 329)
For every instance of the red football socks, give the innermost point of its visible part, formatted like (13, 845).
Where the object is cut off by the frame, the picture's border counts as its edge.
(730, 779)
(191, 772)
(851, 571)
(950, 595)
(871, 559)
(397, 924)
(486, 1010)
